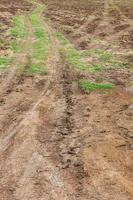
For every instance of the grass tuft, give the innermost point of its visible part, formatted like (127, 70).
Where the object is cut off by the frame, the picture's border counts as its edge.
(4, 62)
(36, 69)
(91, 86)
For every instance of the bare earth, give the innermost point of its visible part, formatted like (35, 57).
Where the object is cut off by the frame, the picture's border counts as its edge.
(58, 142)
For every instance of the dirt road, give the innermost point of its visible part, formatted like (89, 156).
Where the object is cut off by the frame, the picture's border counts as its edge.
(56, 141)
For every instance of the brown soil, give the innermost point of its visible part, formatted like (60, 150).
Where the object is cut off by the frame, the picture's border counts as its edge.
(56, 141)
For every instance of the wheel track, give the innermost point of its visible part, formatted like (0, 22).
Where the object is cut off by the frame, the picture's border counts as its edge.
(60, 77)
(28, 116)
(20, 58)
(69, 152)
(8, 142)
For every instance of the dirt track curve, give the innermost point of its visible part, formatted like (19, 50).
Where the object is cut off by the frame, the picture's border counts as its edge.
(56, 142)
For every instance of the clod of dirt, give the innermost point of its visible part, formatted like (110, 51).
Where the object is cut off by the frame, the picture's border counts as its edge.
(129, 111)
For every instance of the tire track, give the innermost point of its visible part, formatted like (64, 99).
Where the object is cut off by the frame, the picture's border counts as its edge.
(52, 59)
(28, 147)
(20, 58)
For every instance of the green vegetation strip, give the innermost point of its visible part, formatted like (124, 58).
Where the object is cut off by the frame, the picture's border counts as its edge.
(77, 59)
(4, 63)
(41, 45)
(91, 86)
(73, 57)
(104, 59)
(100, 59)
(18, 32)
(38, 51)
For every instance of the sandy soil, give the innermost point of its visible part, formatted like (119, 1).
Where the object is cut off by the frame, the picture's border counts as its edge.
(56, 141)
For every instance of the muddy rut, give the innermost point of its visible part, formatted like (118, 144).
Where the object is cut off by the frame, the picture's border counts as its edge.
(28, 168)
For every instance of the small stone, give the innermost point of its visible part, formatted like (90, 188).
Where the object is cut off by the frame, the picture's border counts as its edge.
(87, 115)
(129, 111)
(65, 162)
(71, 151)
(11, 189)
(78, 163)
(88, 109)
(103, 131)
(65, 166)
(130, 134)
(130, 146)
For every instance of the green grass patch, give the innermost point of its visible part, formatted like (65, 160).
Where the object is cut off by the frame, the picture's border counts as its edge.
(75, 57)
(72, 55)
(14, 46)
(4, 62)
(103, 56)
(100, 59)
(91, 86)
(18, 32)
(41, 46)
(104, 59)
(40, 51)
(36, 69)
(62, 38)
(39, 6)
(39, 33)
